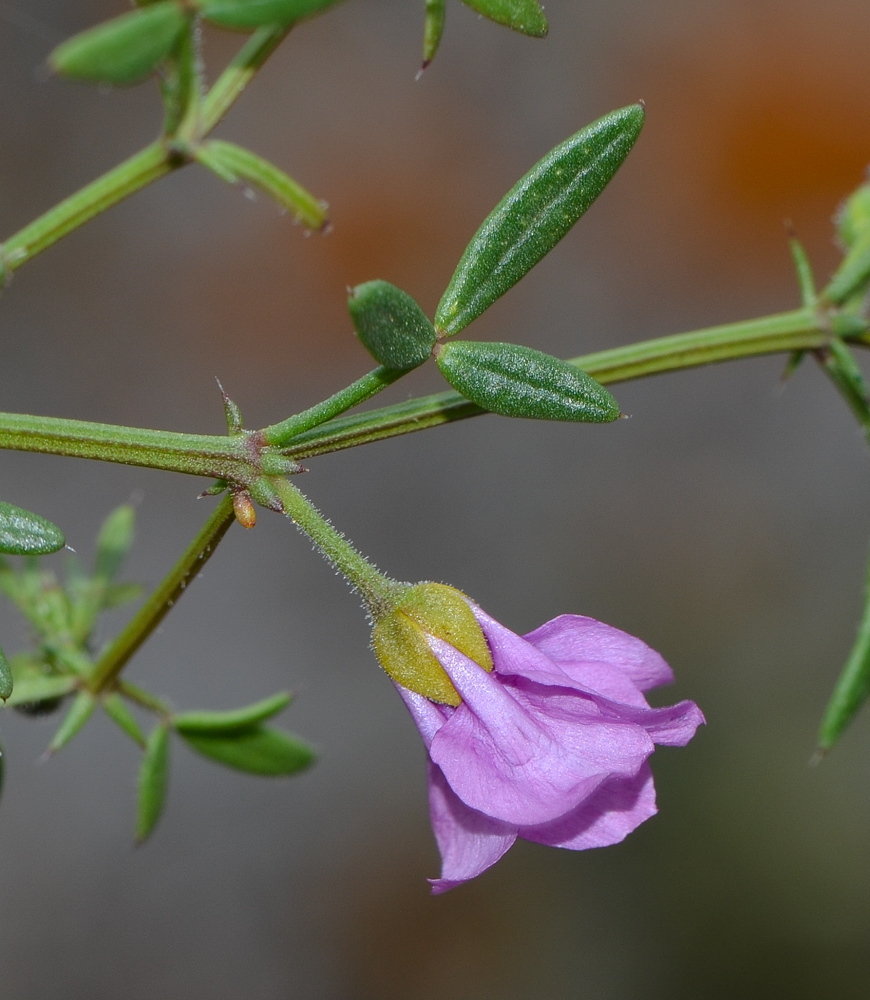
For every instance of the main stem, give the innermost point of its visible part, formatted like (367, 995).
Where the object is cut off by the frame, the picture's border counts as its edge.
(158, 605)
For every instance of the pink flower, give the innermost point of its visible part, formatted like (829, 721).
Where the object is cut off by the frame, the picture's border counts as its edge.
(551, 746)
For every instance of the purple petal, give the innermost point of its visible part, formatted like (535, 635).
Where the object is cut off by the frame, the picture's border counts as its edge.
(607, 817)
(672, 726)
(574, 642)
(469, 842)
(528, 754)
(427, 715)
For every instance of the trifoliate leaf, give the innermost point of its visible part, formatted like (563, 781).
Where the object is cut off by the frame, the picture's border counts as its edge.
(535, 214)
(256, 750)
(123, 50)
(391, 326)
(153, 782)
(521, 15)
(23, 533)
(517, 381)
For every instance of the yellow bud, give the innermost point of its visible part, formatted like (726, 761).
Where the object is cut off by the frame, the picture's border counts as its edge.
(399, 639)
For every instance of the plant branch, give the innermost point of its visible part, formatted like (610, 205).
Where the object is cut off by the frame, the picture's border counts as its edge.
(229, 85)
(801, 329)
(219, 457)
(119, 183)
(146, 166)
(357, 392)
(161, 600)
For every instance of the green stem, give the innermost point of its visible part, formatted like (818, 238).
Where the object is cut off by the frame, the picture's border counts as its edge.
(378, 591)
(153, 162)
(230, 84)
(161, 600)
(128, 177)
(800, 329)
(364, 388)
(219, 457)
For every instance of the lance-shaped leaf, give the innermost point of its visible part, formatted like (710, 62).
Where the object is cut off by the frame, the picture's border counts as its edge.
(23, 533)
(6, 680)
(116, 708)
(433, 28)
(192, 723)
(517, 381)
(114, 541)
(255, 750)
(123, 50)
(246, 15)
(78, 714)
(535, 214)
(852, 687)
(153, 782)
(391, 326)
(233, 164)
(39, 695)
(521, 15)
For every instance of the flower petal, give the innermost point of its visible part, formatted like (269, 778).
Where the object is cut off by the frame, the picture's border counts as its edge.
(427, 715)
(574, 641)
(607, 817)
(672, 726)
(528, 754)
(469, 842)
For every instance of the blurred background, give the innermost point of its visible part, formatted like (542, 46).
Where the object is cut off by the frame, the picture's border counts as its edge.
(726, 523)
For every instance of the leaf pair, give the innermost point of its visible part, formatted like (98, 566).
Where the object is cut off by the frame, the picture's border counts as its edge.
(528, 222)
(236, 739)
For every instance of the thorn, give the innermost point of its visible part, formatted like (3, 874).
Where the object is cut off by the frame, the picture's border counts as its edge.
(817, 757)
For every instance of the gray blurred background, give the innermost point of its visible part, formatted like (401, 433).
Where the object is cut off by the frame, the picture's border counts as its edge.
(726, 523)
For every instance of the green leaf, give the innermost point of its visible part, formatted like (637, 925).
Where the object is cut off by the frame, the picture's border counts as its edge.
(31, 692)
(245, 15)
(114, 541)
(233, 163)
(516, 381)
(116, 708)
(228, 722)
(853, 685)
(122, 593)
(521, 15)
(256, 750)
(124, 50)
(6, 680)
(535, 214)
(391, 326)
(79, 712)
(433, 28)
(153, 781)
(23, 533)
